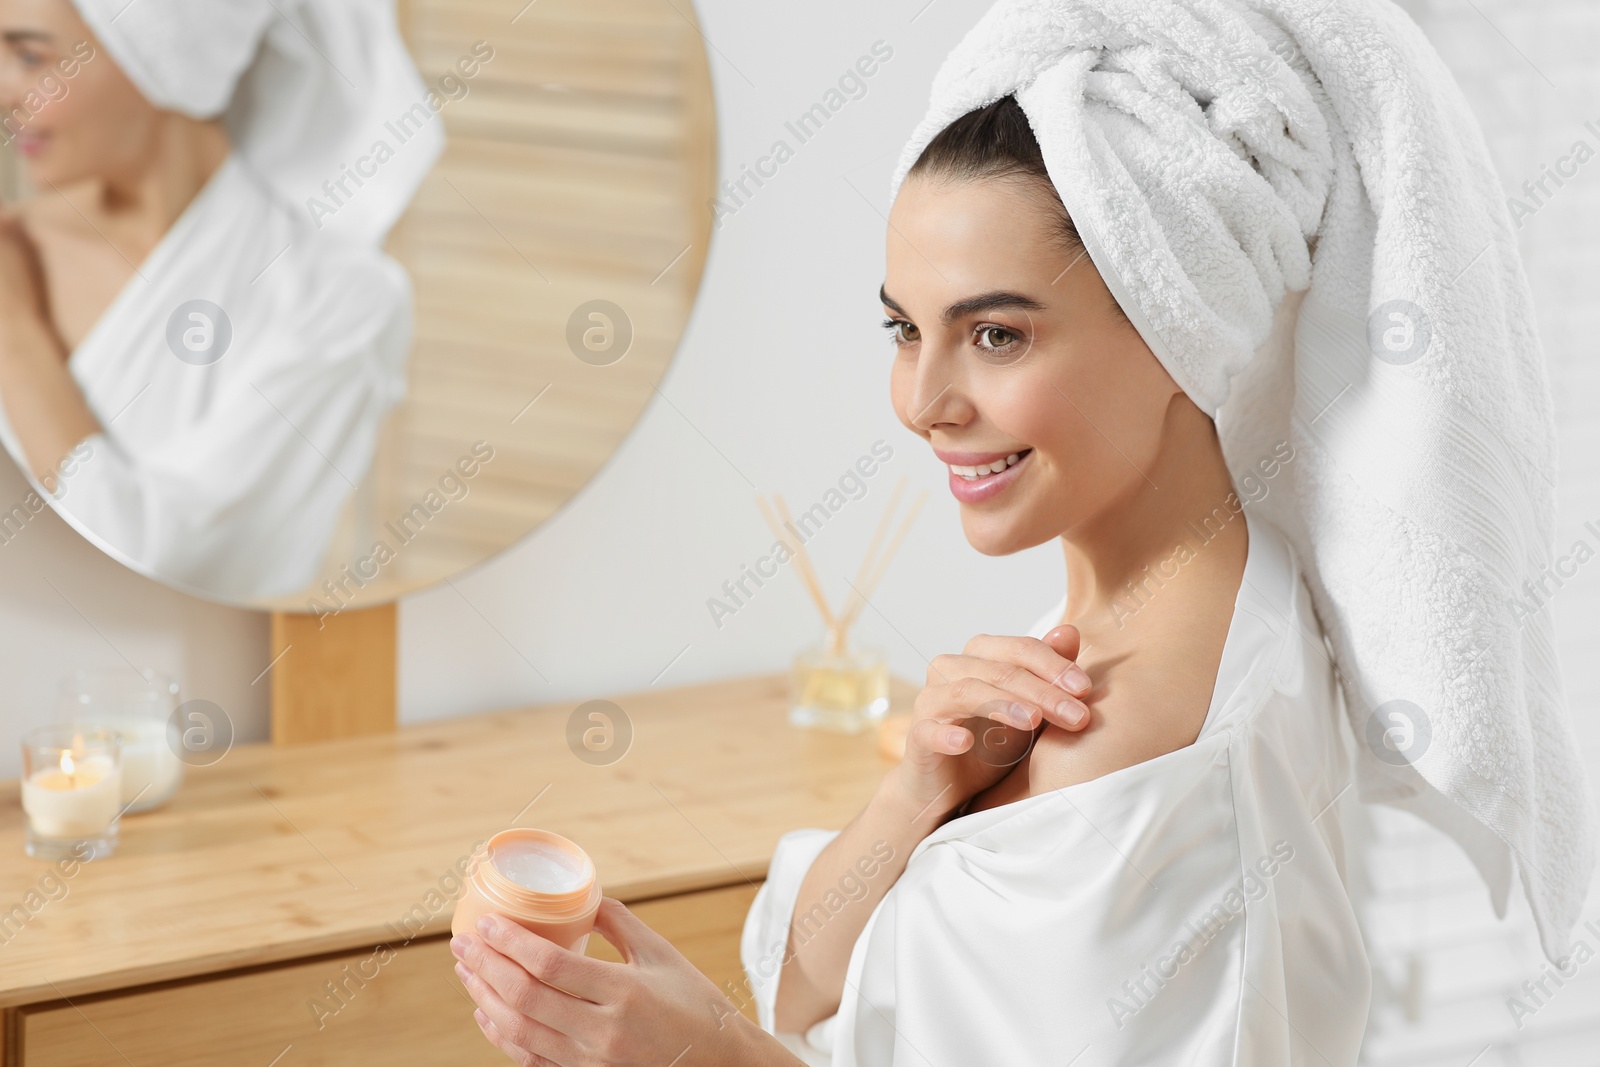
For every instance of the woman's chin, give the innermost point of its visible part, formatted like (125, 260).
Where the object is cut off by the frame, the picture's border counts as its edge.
(995, 535)
(47, 170)
(41, 175)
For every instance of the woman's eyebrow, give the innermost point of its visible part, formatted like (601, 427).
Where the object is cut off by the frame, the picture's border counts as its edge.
(998, 298)
(22, 36)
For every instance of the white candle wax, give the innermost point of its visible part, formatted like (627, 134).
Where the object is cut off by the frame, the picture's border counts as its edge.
(150, 769)
(540, 867)
(80, 803)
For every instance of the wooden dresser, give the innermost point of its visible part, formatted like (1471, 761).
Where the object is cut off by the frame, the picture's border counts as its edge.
(240, 924)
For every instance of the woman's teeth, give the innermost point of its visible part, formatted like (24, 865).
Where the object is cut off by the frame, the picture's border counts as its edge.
(974, 473)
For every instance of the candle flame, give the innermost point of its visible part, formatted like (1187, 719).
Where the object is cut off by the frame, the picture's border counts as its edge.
(66, 763)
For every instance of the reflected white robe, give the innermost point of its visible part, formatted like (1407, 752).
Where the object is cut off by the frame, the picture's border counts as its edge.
(229, 478)
(1193, 909)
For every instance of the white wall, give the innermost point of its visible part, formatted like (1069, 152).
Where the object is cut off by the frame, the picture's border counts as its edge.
(781, 383)
(65, 605)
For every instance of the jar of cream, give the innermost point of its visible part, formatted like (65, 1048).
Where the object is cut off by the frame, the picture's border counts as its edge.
(538, 880)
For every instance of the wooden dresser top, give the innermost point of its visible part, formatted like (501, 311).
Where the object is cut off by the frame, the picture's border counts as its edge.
(281, 852)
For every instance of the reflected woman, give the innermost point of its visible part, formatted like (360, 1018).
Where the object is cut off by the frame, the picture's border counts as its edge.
(192, 363)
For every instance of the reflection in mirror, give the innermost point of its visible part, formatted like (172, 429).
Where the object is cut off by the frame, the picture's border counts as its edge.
(178, 331)
(309, 306)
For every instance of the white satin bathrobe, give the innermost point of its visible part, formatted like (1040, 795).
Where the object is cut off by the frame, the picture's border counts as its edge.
(229, 477)
(1190, 910)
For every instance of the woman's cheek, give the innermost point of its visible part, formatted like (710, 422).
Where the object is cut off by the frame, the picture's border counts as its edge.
(1030, 407)
(49, 117)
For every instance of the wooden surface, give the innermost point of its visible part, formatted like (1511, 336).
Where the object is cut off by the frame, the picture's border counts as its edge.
(410, 1012)
(333, 677)
(278, 853)
(400, 1009)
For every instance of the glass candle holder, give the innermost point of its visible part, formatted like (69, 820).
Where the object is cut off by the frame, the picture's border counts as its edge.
(138, 704)
(71, 790)
(539, 880)
(839, 689)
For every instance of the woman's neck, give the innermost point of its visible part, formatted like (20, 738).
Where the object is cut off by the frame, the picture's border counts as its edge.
(1132, 554)
(136, 205)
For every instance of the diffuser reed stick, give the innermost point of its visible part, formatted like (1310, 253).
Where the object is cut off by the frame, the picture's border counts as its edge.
(873, 566)
(797, 551)
(865, 584)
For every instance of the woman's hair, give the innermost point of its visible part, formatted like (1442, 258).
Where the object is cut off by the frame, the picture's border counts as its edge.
(996, 142)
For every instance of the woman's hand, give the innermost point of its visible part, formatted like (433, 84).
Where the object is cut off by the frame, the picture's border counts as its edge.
(975, 717)
(46, 408)
(21, 277)
(544, 1005)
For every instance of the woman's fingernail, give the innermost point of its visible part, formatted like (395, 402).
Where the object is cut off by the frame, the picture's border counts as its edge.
(1019, 715)
(487, 925)
(1071, 710)
(953, 736)
(462, 972)
(1075, 678)
(458, 947)
(481, 1019)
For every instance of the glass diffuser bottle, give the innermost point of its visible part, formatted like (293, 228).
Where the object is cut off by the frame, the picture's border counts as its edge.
(837, 688)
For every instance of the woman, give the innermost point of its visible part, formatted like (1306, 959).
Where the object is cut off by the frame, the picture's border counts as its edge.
(194, 365)
(1121, 230)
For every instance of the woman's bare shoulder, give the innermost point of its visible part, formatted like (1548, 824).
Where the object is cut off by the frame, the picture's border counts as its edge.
(1144, 704)
(1150, 696)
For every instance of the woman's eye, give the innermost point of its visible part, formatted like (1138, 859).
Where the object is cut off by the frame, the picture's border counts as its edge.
(999, 338)
(901, 332)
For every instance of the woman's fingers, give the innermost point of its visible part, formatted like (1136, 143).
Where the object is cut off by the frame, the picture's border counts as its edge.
(628, 934)
(547, 961)
(520, 991)
(973, 694)
(523, 1034)
(521, 1057)
(1036, 696)
(938, 735)
(1041, 657)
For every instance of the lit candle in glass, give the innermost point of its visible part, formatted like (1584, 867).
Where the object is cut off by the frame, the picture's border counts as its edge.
(71, 790)
(138, 704)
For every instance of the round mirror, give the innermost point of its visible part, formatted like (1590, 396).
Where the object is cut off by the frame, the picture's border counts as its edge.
(416, 303)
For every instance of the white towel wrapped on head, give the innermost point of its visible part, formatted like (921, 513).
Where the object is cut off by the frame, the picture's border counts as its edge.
(305, 87)
(1220, 156)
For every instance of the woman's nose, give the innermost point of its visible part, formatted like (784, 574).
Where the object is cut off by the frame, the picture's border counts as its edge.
(937, 398)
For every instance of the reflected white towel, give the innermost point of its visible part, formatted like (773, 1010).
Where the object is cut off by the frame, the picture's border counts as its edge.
(306, 88)
(1218, 155)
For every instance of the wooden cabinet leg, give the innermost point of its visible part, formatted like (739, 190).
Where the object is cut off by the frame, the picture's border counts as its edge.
(334, 676)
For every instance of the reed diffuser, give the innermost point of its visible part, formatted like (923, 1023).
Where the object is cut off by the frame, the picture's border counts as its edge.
(832, 686)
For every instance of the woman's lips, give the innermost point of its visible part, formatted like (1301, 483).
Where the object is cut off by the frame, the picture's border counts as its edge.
(977, 490)
(30, 144)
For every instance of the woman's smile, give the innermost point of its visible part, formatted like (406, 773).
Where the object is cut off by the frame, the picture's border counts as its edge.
(978, 476)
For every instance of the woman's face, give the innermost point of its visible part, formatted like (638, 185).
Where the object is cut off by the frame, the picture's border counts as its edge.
(1010, 345)
(68, 110)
